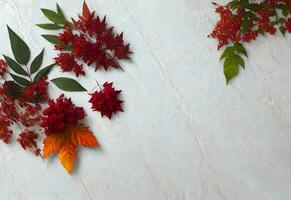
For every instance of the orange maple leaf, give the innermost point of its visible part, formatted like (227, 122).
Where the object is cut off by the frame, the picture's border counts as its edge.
(65, 143)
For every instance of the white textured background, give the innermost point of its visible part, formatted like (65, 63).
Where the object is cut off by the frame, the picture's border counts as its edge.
(184, 134)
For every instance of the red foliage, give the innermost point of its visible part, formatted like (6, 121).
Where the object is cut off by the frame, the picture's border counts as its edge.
(95, 43)
(30, 116)
(5, 133)
(27, 139)
(68, 63)
(3, 67)
(60, 115)
(36, 92)
(106, 100)
(288, 25)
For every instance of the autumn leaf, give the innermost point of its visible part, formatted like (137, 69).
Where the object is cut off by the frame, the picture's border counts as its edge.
(65, 143)
(86, 11)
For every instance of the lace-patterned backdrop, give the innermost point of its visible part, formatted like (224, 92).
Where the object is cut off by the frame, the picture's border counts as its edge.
(184, 134)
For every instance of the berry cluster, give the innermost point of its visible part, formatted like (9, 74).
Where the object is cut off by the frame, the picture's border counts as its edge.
(243, 21)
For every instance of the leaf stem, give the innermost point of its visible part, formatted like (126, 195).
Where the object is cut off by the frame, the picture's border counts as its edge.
(29, 74)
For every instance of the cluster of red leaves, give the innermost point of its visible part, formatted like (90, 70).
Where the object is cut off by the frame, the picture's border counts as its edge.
(27, 139)
(3, 67)
(245, 23)
(5, 132)
(92, 42)
(60, 115)
(22, 111)
(106, 100)
(36, 92)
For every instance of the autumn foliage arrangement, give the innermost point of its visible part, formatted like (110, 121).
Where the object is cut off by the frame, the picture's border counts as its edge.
(25, 104)
(242, 21)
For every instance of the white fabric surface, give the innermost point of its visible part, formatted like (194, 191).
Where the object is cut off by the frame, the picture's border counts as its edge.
(184, 134)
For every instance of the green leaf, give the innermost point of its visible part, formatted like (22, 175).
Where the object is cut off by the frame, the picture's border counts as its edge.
(36, 63)
(240, 49)
(238, 60)
(246, 24)
(253, 6)
(285, 12)
(68, 84)
(15, 90)
(230, 69)
(282, 30)
(43, 72)
(52, 39)
(53, 16)
(60, 12)
(15, 66)
(71, 25)
(227, 52)
(68, 47)
(19, 48)
(20, 80)
(49, 26)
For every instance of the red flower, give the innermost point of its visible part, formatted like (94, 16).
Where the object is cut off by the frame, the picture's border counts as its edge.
(3, 67)
(106, 101)
(27, 139)
(60, 115)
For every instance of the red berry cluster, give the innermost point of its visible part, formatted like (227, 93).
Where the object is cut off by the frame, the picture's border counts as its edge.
(90, 40)
(106, 100)
(61, 114)
(228, 26)
(242, 21)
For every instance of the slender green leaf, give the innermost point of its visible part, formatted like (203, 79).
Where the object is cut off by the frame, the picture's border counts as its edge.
(19, 48)
(36, 63)
(49, 26)
(15, 66)
(43, 72)
(53, 16)
(20, 80)
(52, 39)
(68, 84)
(60, 12)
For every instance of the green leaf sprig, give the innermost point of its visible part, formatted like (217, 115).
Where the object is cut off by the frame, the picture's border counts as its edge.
(243, 21)
(24, 75)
